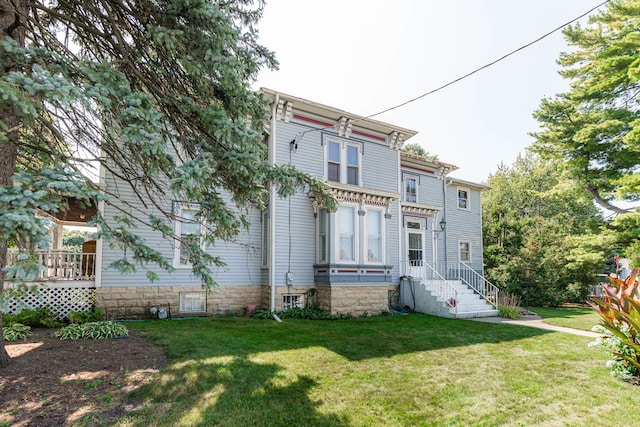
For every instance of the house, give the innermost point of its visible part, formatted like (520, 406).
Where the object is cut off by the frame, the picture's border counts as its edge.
(406, 233)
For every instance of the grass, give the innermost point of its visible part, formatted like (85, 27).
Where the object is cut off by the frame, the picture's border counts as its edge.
(414, 370)
(583, 318)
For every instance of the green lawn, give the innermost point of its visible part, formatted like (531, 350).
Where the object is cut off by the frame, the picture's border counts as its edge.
(570, 317)
(411, 370)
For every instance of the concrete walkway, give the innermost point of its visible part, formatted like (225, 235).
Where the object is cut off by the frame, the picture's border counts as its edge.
(535, 321)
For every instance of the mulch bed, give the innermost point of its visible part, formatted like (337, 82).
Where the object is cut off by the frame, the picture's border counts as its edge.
(85, 382)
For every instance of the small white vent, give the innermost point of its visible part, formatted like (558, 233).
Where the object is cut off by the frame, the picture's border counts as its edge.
(290, 301)
(193, 302)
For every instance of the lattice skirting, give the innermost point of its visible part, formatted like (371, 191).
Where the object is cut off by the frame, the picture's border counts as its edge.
(61, 301)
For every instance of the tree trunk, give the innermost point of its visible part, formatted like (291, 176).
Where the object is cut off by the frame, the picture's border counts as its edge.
(10, 26)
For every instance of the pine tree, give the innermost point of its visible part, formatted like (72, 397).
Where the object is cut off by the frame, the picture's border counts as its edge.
(158, 93)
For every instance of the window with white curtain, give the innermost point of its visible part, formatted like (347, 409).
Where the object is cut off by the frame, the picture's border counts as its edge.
(374, 236)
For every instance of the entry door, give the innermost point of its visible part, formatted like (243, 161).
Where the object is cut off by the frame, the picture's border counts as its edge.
(415, 248)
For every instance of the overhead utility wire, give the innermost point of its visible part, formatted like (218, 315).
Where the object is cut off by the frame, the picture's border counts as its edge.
(489, 64)
(466, 75)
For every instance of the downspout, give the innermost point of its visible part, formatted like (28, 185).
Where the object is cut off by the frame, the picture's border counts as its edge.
(272, 207)
(401, 238)
(444, 217)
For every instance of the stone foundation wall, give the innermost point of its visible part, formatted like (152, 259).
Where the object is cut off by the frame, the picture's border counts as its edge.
(354, 299)
(134, 302)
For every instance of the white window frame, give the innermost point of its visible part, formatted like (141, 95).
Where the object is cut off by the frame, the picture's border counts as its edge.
(356, 236)
(290, 301)
(421, 231)
(343, 171)
(460, 251)
(322, 256)
(265, 238)
(382, 236)
(459, 199)
(193, 302)
(179, 209)
(416, 180)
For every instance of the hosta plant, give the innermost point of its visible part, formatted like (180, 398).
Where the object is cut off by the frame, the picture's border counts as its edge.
(15, 332)
(619, 310)
(92, 330)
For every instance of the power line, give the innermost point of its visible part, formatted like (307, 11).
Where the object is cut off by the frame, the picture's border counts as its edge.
(469, 74)
(489, 64)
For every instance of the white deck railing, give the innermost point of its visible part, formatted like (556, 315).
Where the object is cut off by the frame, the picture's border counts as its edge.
(61, 265)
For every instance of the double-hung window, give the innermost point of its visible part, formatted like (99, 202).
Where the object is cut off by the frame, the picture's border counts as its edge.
(463, 198)
(347, 234)
(323, 237)
(374, 236)
(410, 188)
(343, 161)
(188, 229)
(465, 251)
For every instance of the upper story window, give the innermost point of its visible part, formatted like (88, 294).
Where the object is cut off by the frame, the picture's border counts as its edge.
(343, 160)
(463, 198)
(189, 229)
(410, 188)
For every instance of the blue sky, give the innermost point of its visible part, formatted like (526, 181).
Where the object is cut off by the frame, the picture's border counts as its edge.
(366, 56)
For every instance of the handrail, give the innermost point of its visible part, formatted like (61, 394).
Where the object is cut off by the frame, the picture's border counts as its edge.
(479, 283)
(61, 264)
(443, 287)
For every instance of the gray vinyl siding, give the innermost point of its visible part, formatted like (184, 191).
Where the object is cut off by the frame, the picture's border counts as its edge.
(464, 225)
(294, 241)
(242, 257)
(430, 190)
(379, 167)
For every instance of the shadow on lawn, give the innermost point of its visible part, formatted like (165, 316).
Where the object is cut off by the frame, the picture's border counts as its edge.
(212, 380)
(238, 393)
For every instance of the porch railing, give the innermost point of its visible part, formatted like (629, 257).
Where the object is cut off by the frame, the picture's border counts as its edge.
(61, 265)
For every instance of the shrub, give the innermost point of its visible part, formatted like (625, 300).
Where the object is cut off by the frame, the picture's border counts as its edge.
(508, 305)
(80, 317)
(613, 346)
(619, 311)
(16, 331)
(509, 312)
(92, 330)
(302, 313)
(34, 317)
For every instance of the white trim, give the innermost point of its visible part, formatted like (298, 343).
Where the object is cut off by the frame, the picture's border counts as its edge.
(416, 179)
(356, 235)
(344, 144)
(383, 233)
(467, 199)
(468, 243)
(180, 208)
(322, 256)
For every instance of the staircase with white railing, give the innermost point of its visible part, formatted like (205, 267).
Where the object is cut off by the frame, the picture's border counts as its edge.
(451, 290)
